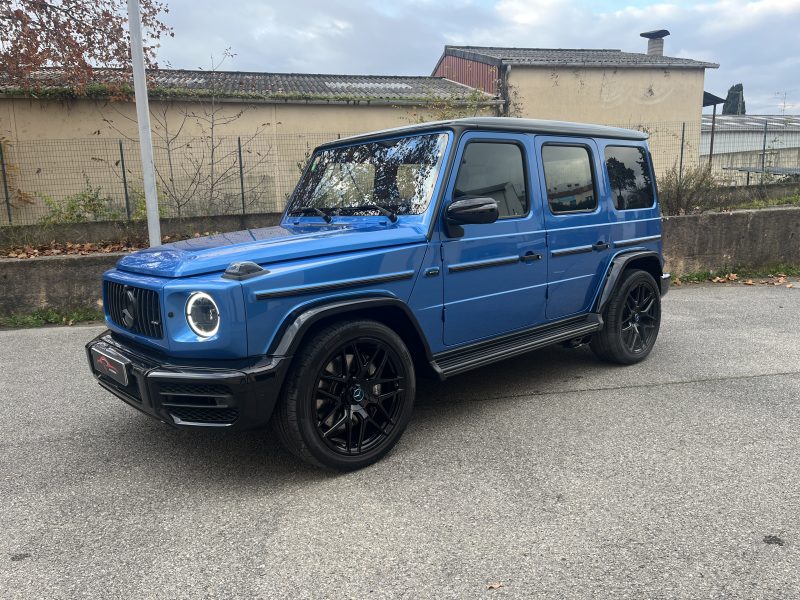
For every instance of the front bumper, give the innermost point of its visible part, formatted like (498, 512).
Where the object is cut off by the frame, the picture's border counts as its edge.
(239, 394)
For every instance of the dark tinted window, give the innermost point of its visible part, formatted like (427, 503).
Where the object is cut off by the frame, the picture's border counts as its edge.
(494, 170)
(629, 175)
(568, 173)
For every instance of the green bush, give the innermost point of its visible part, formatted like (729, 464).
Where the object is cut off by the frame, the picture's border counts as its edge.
(88, 205)
(697, 190)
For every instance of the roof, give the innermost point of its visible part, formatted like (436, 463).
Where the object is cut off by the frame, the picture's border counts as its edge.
(752, 123)
(294, 86)
(506, 124)
(710, 99)
(572, 57)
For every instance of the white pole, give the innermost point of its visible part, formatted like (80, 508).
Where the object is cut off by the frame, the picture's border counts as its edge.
(143, 118)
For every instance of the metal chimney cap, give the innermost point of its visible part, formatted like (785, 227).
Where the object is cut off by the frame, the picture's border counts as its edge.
(656, 34)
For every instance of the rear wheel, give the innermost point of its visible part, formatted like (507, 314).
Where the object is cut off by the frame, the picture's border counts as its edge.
(632, 320)
(348, 397)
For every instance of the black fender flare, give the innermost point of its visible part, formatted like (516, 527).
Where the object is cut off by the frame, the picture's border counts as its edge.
(296, 324)
(614, 274)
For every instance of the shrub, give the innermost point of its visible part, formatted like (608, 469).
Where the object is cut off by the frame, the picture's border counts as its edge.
(87, 205)
(695, 191)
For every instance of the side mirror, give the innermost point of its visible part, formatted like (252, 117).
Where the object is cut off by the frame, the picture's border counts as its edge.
(468, 211)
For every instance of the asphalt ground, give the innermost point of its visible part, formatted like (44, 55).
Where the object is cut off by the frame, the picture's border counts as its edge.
(549, 475)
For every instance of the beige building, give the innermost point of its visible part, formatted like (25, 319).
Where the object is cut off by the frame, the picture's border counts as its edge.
(647, 91)
(223, 141)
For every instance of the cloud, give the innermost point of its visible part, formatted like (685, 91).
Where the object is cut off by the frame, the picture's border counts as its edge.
(755, 42)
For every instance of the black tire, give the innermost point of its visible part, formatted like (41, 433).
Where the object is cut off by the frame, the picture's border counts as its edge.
(631, 320)
(348, 396)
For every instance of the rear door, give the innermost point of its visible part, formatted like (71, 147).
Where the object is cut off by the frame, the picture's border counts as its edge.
(577, 222)
(495, 275)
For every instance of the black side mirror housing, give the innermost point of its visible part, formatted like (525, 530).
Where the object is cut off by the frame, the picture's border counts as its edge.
(469, 211)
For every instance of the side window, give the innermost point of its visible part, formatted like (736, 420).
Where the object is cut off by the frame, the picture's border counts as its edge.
(568, 174)
(494, 170)
(629, 174)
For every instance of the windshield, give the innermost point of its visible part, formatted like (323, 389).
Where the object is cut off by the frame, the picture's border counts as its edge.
(394, 177)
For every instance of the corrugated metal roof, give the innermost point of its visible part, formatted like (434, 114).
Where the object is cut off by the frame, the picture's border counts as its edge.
(295, 86)
(573, 57)
(752, 122)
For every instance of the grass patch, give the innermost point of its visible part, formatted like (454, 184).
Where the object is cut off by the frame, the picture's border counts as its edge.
(742, 273)
(51, 316)
(766, 203)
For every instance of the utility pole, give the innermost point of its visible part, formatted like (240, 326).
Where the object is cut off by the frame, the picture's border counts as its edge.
(143, 119)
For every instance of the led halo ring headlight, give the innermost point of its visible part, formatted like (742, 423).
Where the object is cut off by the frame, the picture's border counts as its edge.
(202, 314)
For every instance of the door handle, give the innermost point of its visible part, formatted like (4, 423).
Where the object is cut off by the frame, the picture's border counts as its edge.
(529, 257)
(601, 245)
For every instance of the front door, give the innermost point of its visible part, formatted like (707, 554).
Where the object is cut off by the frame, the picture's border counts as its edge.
(577, 222)
(495, 275)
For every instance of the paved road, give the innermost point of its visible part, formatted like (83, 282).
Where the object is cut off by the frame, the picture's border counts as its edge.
(552, 474)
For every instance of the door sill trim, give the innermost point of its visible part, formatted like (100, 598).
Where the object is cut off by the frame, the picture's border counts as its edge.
(458, 360)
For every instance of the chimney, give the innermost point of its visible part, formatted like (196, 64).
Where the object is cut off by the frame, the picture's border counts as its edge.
(655, 41)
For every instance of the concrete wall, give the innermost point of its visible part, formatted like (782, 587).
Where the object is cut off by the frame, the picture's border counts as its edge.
(746, 238)
(692, 243)
(120, 231)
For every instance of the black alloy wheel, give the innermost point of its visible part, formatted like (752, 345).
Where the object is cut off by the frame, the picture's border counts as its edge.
(358, 396)
(631, 319)
(639, 318)
(348, 396)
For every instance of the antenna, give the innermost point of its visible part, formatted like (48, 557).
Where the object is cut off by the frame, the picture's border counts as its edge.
(784, 95)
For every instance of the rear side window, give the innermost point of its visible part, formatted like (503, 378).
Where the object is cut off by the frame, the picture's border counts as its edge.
(494, 170)
(629, 174)
(568, 174)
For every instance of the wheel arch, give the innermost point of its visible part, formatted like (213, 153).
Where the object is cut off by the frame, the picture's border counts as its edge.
(646, 260)
(392, 312)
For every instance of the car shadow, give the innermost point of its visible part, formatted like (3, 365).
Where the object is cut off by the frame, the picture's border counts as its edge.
(256, 458)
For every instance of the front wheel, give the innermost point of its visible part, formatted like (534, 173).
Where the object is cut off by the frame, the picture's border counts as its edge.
(632, 320)
(348, 397)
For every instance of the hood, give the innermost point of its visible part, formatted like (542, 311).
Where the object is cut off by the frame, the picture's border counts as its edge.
(198, 256)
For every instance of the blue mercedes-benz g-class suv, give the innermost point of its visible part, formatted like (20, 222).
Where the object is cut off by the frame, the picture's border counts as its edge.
(438, 247)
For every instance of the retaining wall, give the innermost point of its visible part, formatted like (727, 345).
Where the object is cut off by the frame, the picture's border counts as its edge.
(757, 238)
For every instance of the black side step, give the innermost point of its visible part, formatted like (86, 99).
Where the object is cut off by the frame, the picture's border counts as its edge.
(452, 362)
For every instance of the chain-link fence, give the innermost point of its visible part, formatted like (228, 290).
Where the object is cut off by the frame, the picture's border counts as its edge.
(67, 181)
(63, 181)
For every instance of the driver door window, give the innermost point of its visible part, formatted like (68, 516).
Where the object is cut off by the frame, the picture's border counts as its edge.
(494, 170)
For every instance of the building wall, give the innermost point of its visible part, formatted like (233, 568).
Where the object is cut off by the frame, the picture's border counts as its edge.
(55, 151)
(655, 100)
(28, 119)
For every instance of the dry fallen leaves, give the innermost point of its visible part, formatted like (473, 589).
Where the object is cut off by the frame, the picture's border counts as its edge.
(494, 586)
(59, 249)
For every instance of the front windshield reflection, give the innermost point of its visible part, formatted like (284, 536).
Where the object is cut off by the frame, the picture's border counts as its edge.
(391, 177)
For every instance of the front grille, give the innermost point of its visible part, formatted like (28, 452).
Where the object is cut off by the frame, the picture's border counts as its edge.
(133, 308)
(218, 416)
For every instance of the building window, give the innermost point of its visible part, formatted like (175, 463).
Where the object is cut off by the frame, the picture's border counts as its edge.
(494, 170)
(629, 175)
(569, 179)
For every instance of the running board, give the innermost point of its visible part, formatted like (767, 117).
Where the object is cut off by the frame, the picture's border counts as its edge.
(452, 362)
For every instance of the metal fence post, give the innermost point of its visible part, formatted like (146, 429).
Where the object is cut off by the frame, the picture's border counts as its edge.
(241, 173)
(124, 181)
(5, 183)
(764, 152)
(683, 137)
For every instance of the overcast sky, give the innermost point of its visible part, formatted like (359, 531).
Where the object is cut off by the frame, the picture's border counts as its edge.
(756, 43)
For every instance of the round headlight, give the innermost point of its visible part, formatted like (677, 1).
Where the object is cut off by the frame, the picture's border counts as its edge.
(202, 314)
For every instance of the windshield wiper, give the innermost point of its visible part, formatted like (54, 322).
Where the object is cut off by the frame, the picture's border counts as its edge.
(376, 207)
(311, 210)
